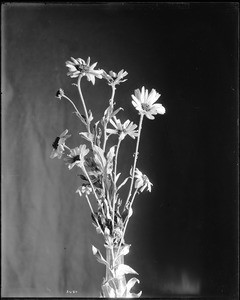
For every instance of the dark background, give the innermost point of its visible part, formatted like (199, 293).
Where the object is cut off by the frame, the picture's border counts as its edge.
(184, 234)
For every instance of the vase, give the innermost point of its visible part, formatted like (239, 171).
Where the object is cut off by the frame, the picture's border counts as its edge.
(114, 284)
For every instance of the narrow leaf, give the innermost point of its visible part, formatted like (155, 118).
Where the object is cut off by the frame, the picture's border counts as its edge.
(99, 256)
(83, 177)
(133, 295)
(117, 177)
(111, 154)
(130, 284)
(90, 117)
(108, 292)
(125, 250)
(116, 112)
(94, 218)
(123, 183)
(87, 136)
(124, 269)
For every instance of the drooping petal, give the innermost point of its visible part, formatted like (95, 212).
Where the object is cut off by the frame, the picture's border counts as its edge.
(160, 108)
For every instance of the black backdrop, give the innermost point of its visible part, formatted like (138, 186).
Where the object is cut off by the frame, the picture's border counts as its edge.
(183, 234)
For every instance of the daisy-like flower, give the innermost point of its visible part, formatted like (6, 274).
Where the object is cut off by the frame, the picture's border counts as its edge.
(58, 145)
(145, 103)
(142, 182)
(84, 189)
(78, 67)
(76, 157)
(127, 128)
(114, 78)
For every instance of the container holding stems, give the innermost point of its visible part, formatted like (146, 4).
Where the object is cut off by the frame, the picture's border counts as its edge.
(100, 174)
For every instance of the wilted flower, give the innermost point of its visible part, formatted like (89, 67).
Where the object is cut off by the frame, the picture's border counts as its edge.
(144, 103)
(114, 78)
(79, 66)
(142, 182)
(58, 145)
(76, 157)
(127, 128)
(84, 189)
(60, 93)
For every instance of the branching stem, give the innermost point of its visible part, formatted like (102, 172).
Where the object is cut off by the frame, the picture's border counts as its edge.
(83, 102)
(77, 111)
(114, 178)
(105, 125)
(94, 192)
(89, 203)
(135, 158)
(126, 223)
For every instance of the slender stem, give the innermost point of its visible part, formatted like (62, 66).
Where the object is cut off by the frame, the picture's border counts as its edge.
(113, 94)
(65, 146)
(104, 136)
(128, 216)
(84, 106)
(135, 158)
(112, 257)
(125, 226)
(124, 182)
(105, 125)
(77, 111)
(85, 171)
(114, 179)
(83, 102)
(89, 203)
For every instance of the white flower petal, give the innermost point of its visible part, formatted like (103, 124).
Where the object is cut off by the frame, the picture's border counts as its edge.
(74, 61)
(93, 66)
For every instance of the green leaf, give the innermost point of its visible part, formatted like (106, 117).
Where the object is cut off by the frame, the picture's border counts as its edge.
(87, 136)
(133, 295)
(116, 112)
(117, 177)
(124, 250)
(123, 183)
(99, 155)
(108, 291)
(99, 256)
(129, 285)
(90, 117)
(111, 154)
(123, 269)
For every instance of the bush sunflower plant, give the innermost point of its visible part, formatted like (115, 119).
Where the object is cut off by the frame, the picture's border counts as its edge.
(99, 170)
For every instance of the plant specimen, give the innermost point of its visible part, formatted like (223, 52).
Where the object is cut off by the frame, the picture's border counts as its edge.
(100, 176)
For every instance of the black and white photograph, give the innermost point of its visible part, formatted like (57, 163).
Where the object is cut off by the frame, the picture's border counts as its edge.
(120, 150)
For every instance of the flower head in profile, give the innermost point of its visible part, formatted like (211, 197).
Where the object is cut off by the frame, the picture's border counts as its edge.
(145, 103)
(84, 189)
(114, 78)
(78, 67)
(142, 182)
(77, 156)
(60, 94)
(58, 145)
(127, 128)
